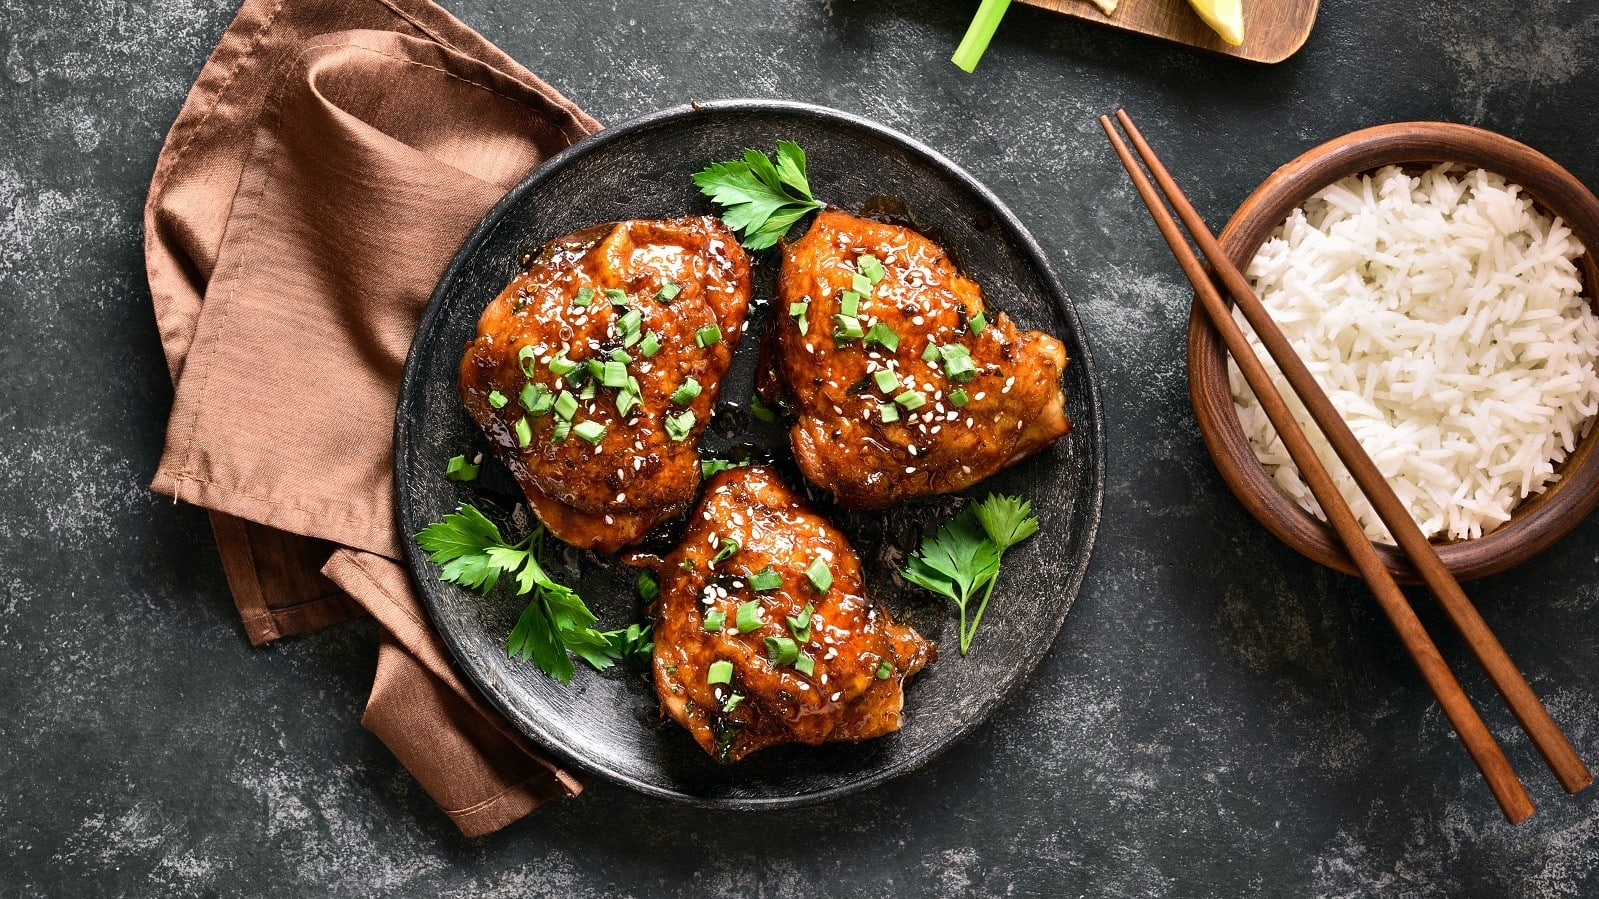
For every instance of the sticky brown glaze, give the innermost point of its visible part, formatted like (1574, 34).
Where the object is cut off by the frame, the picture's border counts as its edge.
(1015, 406)
(608, 494)
(850, 637)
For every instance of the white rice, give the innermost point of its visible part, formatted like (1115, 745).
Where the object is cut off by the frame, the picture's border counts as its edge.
(1443, 316)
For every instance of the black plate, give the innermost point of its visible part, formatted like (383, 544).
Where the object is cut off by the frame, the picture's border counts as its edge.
(609, 722)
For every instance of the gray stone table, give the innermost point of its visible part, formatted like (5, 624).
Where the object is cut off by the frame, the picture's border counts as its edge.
(1218, 718)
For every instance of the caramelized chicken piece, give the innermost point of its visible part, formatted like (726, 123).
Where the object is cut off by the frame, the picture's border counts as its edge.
(904, 385)
(754, 559)
(595, 370)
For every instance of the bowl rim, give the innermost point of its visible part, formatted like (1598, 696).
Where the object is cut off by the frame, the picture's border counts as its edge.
(1540, 520)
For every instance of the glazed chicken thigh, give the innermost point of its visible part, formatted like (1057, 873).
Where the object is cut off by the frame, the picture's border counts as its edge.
(595, 370)
(903, 383)
(763, 633)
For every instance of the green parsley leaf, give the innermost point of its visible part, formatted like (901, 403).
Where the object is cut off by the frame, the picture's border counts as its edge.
(471, 552)
(759, 199)
(963, 556)
(1008, 520)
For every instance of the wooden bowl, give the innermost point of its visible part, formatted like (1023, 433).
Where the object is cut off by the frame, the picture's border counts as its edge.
(1537, 522)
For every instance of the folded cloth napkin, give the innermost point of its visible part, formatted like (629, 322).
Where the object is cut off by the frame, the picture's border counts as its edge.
(329, 161)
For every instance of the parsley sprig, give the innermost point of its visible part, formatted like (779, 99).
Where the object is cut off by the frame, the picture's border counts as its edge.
(471, 552)
(759, 198)
(962, 558)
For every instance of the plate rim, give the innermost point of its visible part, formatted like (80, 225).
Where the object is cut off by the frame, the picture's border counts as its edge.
(415, 560)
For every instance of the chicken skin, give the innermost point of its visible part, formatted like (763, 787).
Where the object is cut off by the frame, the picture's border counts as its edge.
(596, 369)
(763, 634)
(903, 384)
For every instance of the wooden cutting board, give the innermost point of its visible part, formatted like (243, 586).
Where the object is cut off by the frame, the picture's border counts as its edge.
(1273, 29)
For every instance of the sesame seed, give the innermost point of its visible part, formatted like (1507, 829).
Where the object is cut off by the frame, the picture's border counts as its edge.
(835, 696)
(909, 469)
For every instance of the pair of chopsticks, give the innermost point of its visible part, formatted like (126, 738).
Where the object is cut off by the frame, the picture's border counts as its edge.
(1529, 711)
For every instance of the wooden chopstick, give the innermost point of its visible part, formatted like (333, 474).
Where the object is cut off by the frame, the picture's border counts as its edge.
(1506, 677)
(1480, 744)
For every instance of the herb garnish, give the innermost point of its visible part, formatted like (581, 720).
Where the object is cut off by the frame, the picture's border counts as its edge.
(759, 199)
(963, 556)
(471, 552)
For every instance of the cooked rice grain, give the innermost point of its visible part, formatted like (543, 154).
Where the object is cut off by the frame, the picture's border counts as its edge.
(1442, 314)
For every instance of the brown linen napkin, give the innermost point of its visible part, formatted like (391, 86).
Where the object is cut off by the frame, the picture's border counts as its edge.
(329, 161)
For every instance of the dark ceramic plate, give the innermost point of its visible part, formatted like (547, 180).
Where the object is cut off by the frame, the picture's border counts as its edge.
(608, 722)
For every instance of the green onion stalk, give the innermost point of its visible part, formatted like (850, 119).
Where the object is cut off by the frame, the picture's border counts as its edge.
(979, 34)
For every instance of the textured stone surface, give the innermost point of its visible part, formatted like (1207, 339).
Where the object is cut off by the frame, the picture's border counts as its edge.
(1218, 717)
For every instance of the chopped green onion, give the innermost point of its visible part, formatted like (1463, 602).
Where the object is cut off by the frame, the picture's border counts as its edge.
(930, 354)
(630, 322)
(589, 391)
(884, 669)
(709, 467)
(708, 335)
(524, 432)
(800, 625)
(560, 365)
(911, 400)
(592, 431)
(886, 380)
(498, 399)
(820, 575)
(678, 427)
(536, 399)
(800, 313)
(870, 267)
(958, 364)
(613, 374)
(888, 412)
(850, 303)
(651, 345)
(760, 410)
(528, 359)
(732, 702)
(781, 650)
(668, 292)
(749, 616)
(596, 367)
(720, 672)
(632, 338)
(861, 285)
(686, 393)
(584, 297)
(729, 547)
(847, 327)
(714, 621)
(805, 665)
(958, 397)
(617, 297)
(883, 334)
(621, 356)
(977, 323)
(566, 405)
(648, 586)
(765, 580)
(563, 427)
(626, 401)
(458, 469)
